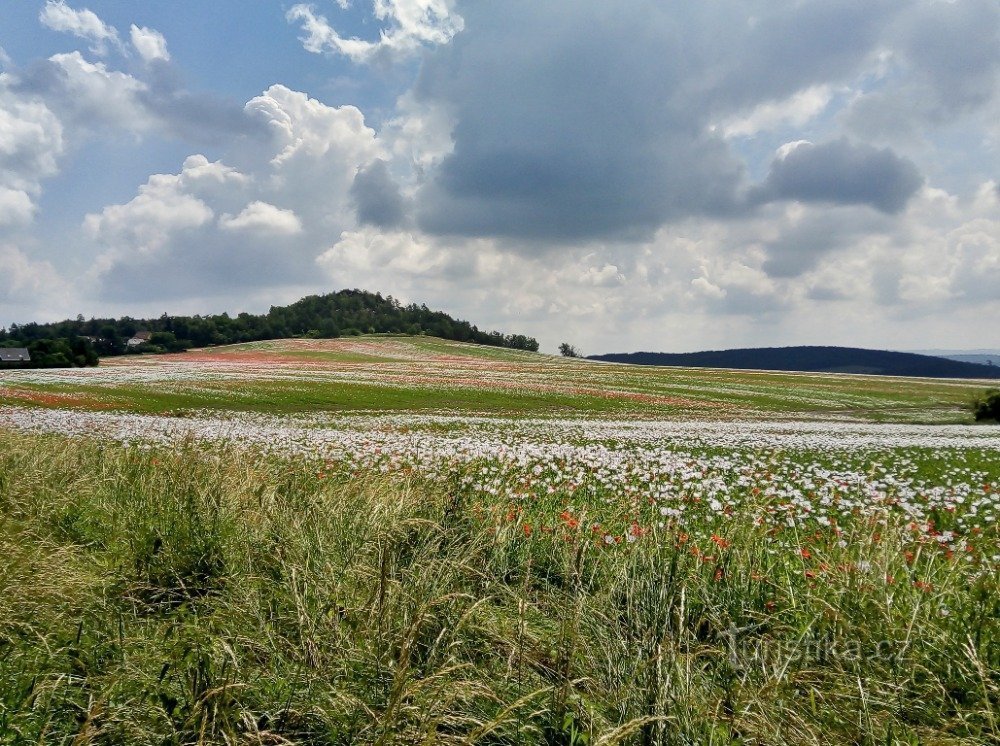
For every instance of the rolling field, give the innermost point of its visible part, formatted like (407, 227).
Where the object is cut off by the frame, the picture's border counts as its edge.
(407, 374)
(407, 540)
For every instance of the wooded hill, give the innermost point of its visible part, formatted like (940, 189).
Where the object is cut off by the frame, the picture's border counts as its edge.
(815, 360)
(344, 313)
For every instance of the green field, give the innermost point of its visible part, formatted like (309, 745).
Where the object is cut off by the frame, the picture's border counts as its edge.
(403, 540)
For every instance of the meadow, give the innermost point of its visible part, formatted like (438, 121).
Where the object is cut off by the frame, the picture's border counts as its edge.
(406, 540)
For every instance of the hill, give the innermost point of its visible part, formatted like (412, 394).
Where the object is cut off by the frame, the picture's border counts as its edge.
(344, 313)
(814, 360)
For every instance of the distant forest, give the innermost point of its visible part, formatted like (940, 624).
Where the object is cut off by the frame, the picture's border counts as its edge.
(814, 360)
(345, 313)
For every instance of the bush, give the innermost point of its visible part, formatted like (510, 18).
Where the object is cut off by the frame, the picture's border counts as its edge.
(987, 406)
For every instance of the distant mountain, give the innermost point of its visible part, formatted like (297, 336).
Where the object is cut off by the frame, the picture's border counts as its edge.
(980, 357)
(814, 360)
(977, 359)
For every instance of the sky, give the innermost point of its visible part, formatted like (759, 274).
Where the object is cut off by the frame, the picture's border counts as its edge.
(624, 176)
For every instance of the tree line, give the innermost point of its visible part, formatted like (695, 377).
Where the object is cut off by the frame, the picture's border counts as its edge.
(344, 313)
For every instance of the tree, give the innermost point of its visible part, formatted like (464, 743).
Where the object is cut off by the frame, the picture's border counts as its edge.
(987, 406)
(568, 350)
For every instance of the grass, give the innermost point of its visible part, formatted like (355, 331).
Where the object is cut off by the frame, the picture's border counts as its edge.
(195, 595)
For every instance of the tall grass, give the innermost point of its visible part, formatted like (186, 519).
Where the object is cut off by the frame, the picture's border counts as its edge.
(183, 596)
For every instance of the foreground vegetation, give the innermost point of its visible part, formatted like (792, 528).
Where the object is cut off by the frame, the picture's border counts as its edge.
(185, 593)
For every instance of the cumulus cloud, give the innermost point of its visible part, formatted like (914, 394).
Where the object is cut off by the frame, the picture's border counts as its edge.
(84, 24)
(31, 139)
(160, 211)
(31, 143)
(88, 95)
(411, 25)
(841, 173)
(262, 217)
(258, 220)
(16, 207)
(149, 43)
(93, 98)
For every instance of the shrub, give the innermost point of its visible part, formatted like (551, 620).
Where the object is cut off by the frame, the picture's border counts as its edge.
(987, 406)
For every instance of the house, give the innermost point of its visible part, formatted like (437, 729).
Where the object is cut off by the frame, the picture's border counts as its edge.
(139, 338)
(14, 355)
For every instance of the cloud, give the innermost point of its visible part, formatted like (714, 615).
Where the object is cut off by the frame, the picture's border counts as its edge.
(89, 96)
(412, 24)
(92, 98)
(202, 118)
(376, 196)
(84, 24)
(942, 63)
(795, 110)
(597, 123)
(16, 207)
(149, 43)
(841, 173)
(163, 208)
(802, 238)
(31, 144)
(264, 218)
(220, 221)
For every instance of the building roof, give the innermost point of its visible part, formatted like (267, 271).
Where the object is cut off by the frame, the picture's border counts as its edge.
(144, 336)
(14, 355)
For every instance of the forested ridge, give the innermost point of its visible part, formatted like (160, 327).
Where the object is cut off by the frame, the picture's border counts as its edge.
(814, 359)
(344, 313)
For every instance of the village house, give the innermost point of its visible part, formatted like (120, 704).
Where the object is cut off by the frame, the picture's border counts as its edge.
(139, 338)
(14, 355)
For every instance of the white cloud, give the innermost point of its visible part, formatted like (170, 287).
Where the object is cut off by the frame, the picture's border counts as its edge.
(147, 223)
(411, 25)
(94, 96)
(262, 221)
(16, 207)
(605, 276)
(31, 144)
(368, 252)
(149, 43)
(796, 110)
(262, 217)
(84, 24)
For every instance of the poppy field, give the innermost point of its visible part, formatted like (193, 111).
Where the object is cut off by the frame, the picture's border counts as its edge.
(402, 540)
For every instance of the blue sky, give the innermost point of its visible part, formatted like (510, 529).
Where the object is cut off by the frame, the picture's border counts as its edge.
(623, 176)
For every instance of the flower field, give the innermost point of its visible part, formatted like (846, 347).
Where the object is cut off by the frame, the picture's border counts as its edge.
(399, 540)
(408, 374)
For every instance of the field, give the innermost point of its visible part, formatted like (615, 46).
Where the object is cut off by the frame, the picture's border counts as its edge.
(406, 540)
